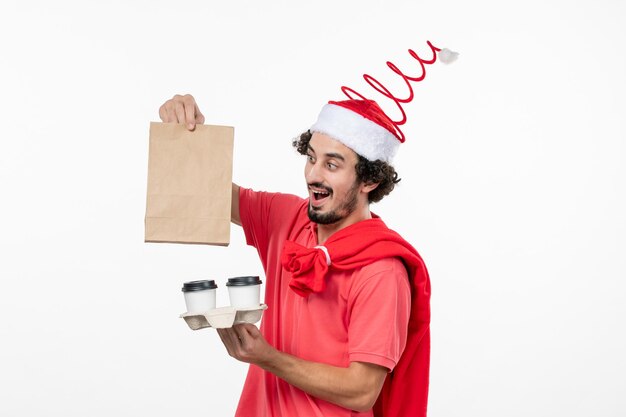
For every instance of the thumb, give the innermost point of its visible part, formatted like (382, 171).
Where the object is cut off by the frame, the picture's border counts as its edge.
(199, 115)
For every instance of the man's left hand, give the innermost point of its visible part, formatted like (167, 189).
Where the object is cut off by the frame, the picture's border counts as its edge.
(355, 387)
(245, 343)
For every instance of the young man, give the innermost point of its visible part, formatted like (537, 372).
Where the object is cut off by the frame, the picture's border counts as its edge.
(348, 299)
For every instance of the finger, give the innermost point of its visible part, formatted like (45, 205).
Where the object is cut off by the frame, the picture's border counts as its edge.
(251, 330)
(169, 108)
(221, 335)
(167, 113)
(241, 334)
(163, 113)
(199, 115)
(233, 338)
(190, 118)
(189, 105)
(244, 331)
(179, 109)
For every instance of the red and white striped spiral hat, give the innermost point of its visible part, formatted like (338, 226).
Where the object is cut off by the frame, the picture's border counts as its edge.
(360, 123)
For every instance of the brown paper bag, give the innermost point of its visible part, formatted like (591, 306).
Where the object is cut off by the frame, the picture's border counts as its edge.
(189, 184)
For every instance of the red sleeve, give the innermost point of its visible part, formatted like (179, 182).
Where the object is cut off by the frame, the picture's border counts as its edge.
(379, 307)
(262, 216)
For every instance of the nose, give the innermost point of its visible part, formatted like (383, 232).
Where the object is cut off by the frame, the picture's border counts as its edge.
(312, 173)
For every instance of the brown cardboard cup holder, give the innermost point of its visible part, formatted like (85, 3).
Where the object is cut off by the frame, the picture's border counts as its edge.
(223, 317)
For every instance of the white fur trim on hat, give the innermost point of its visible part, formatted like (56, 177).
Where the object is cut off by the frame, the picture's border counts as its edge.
(362, 135)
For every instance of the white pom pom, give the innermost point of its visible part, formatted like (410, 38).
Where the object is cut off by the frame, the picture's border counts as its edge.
(447, 56)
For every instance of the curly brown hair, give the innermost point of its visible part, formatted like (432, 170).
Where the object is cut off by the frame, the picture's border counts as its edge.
(368, 172)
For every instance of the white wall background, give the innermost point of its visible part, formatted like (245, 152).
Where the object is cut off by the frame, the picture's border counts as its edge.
(513, 191)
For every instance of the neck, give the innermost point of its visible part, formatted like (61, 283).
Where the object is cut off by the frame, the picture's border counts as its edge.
(325, 231)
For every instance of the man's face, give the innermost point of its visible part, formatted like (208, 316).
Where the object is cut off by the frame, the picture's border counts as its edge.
(334, 191)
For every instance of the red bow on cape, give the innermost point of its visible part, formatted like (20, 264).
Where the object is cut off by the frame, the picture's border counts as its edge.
(405, 392)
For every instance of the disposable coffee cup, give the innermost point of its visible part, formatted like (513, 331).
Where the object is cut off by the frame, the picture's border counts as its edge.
(244, 292)
(199, 295)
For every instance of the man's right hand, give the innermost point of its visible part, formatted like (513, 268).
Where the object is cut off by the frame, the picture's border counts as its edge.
(181, 109)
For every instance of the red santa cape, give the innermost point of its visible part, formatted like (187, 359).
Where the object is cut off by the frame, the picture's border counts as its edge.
(405, 392)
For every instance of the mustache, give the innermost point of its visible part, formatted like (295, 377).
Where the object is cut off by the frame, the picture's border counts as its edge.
(322, 186)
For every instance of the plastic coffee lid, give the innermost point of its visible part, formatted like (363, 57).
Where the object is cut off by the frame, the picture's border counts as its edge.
(199, 285)
(243, 281)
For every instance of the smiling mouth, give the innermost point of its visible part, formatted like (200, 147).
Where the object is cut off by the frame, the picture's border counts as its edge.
(319, 194)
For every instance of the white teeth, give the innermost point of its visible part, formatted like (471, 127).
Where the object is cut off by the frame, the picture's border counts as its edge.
(320, 194)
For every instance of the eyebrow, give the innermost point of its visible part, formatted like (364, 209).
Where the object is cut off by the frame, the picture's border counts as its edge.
(336, 155)
(330, 154)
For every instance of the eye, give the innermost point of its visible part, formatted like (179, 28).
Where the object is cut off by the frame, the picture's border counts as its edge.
(331, 166)
(310, 158)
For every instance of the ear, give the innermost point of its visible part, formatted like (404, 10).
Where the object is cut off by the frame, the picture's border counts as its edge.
(368, 187)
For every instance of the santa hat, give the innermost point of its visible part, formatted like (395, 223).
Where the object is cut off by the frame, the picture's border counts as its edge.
(362, 125)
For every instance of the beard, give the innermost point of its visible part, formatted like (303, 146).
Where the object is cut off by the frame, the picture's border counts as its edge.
(347, 206)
